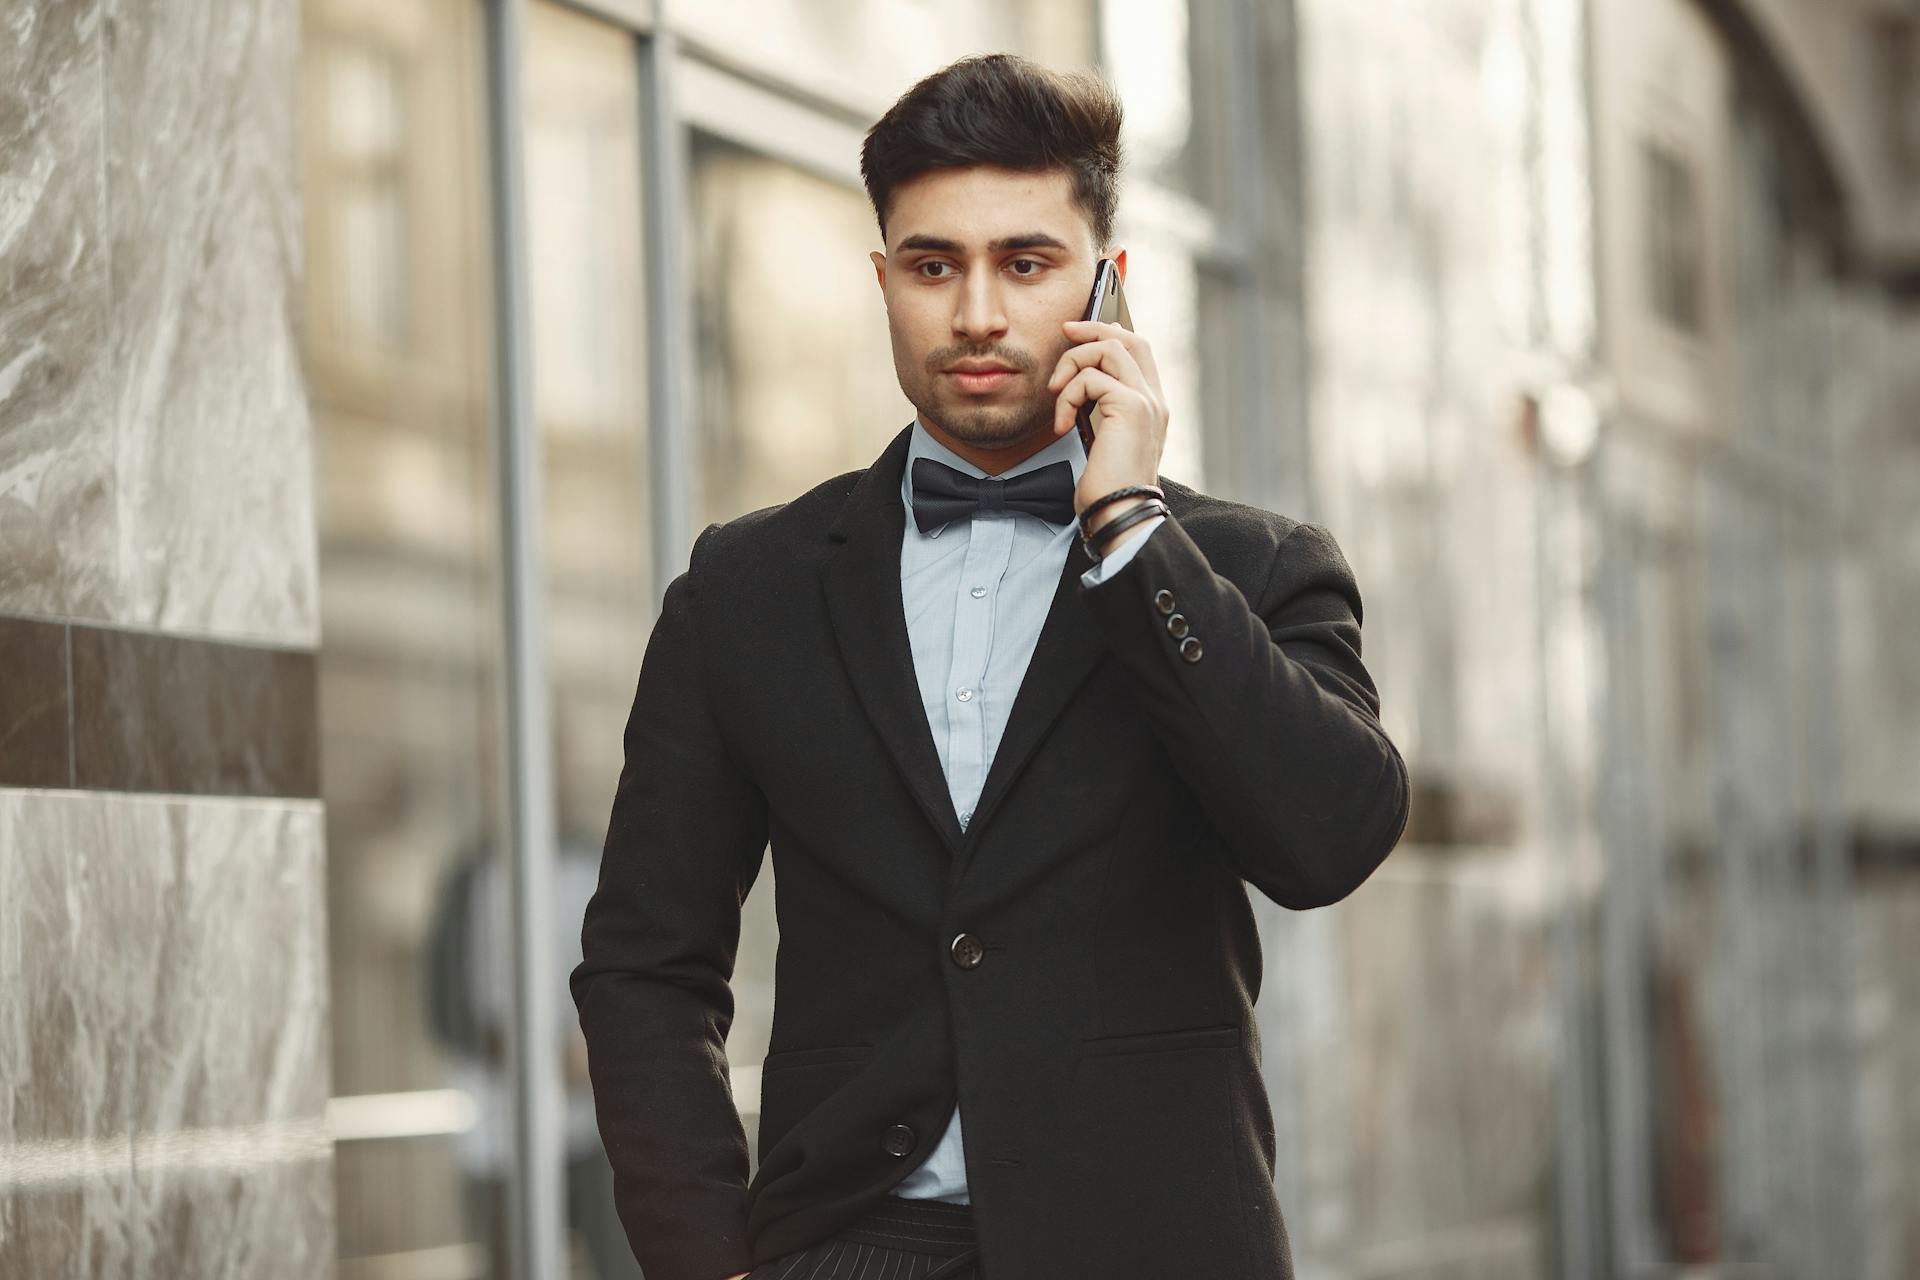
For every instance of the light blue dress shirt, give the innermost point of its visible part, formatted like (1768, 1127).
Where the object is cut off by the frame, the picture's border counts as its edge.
(976, 593)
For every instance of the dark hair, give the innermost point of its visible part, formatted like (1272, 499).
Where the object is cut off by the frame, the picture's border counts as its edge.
(1001, 109)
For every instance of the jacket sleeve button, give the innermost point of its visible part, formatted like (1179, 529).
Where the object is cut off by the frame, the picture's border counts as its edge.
(1177, 625)
(899, 1140)
(1163, 600)
(1190, 648)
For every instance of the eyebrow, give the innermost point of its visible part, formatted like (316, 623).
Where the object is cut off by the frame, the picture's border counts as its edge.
(938, 244)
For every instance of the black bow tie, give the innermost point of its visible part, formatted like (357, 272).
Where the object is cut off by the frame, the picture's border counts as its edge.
(941, 493)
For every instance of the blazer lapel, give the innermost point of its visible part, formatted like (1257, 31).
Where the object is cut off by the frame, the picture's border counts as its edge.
(861, 582)
(1067, 651)
(861, 579)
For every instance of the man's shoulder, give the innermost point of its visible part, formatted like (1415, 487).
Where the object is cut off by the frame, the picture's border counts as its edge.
(1264, 553)
(1221, 525)
(783, 528)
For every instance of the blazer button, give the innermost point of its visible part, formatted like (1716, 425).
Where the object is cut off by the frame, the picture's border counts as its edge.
(1190, 648)
(967, 951)
(1163, 600)
(1177, 625)
(899, 1140)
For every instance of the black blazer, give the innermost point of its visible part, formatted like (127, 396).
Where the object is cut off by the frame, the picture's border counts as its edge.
(1078, 969)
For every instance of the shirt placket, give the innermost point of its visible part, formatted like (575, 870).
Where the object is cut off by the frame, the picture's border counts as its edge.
(989, 548)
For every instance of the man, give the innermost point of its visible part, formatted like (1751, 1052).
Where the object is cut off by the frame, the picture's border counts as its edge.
(1014, 794)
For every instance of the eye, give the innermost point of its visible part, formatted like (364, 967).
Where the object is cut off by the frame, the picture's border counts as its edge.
(1032, 262)
(923, 266)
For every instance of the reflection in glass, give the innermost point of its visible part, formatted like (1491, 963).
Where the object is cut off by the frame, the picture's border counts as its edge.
(589, 386)
(795, 365)
(869, 51)
(398, 343)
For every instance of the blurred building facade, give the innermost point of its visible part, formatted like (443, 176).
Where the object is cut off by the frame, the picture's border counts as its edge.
(1614, 359)
(367, 367)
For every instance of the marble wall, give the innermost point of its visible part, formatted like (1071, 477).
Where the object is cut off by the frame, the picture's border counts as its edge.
(163, 968)
(163, 1037)
(155, 446)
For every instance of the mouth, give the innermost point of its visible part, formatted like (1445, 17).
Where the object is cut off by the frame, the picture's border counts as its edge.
(976, 381)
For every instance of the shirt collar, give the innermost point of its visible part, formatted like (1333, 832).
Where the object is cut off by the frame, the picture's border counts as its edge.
(923, 445)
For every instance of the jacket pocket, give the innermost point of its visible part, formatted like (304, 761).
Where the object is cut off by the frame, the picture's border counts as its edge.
(794, 1082)
(1218, 1036)
(814, 1057)
(1150, 1126)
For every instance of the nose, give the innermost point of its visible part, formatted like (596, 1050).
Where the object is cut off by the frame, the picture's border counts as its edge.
(978, 313)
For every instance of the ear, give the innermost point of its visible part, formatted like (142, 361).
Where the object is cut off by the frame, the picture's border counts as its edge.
(879, 268)
(1120, 263)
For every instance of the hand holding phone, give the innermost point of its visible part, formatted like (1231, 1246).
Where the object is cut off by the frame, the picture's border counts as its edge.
(1107, 304)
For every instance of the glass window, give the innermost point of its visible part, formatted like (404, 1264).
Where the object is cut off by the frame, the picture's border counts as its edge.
(1675, 236)
(867, 52)
(588, 299)
(399, 363)
(795, 366)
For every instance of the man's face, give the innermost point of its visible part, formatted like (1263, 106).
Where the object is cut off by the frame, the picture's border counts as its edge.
(982, 267)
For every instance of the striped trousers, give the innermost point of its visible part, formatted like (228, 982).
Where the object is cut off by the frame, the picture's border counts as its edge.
(897, 1239)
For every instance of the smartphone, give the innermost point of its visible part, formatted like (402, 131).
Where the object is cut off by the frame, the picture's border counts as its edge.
(1109, 304)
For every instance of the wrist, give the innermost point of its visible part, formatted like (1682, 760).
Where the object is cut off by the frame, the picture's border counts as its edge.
(1113, 510)
(1125, 528)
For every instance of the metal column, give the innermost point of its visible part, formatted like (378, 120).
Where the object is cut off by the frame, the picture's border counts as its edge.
(537, 1213)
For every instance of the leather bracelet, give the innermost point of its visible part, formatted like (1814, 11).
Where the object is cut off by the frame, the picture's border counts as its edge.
(1127, 491)
(1108, 532)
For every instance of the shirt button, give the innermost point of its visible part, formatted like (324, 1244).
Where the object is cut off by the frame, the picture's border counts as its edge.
(977, 592)
(965, 695)
(966, 817)
(967, 950)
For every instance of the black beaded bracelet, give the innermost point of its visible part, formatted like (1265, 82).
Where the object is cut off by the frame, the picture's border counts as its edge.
(1106, 534)
(1127, 491)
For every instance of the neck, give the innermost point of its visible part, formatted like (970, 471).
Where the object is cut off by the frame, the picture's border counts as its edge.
(993, 461)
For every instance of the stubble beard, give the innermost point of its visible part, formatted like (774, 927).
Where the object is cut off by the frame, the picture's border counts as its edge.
(986, 426)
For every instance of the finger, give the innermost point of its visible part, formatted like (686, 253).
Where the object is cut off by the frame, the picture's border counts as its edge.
(1071, 361)
(1136, 344)
(1105, 354)
(1092, 383)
